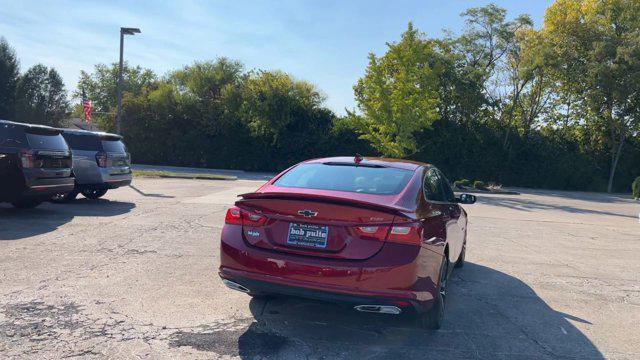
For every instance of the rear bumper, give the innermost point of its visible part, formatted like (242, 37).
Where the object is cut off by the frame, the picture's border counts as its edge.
(46, 188)
(397, 274)
(116, 183)
(270, 287)
(107, 181)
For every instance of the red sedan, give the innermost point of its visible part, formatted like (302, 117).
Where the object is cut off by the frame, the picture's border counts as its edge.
(380, 234)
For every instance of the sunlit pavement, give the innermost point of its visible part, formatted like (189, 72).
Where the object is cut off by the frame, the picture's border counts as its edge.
(549, 274)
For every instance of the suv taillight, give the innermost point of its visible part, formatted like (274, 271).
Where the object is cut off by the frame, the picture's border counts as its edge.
(101, 159)
(27, 159)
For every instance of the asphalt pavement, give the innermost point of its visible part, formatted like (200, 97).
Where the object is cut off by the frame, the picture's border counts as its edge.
(549, 274)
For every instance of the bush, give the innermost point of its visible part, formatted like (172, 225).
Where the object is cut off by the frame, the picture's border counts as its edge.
(635, 188)
(460, 183)
(479, 185)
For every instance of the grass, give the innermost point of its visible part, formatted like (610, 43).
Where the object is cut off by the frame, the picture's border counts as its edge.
(181, 175)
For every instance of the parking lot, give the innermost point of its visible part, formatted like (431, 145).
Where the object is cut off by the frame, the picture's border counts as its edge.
(548, 275)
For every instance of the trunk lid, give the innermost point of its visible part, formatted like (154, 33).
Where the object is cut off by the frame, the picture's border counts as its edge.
(312, 225)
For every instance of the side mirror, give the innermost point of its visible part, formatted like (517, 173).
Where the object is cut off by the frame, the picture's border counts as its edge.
(466, 199)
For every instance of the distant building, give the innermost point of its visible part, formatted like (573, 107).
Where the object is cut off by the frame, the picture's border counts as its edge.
(79, 123)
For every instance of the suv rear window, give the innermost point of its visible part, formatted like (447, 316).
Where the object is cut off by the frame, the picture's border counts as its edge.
(83, 142)
(49, 142)
(113, 146)
(351, 178)
(12, 136)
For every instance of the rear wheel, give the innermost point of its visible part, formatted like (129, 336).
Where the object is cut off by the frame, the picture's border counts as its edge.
(26, 204)
(435, 316)
(64, 197)
(94, 193)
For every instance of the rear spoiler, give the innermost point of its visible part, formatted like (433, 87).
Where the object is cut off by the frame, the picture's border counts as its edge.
(396, 210)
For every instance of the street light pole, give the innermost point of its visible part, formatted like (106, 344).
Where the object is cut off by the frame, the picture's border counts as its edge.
(123, 31)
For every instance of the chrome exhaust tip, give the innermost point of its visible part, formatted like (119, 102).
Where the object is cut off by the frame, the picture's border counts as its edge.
(235, 286)
(380, 309)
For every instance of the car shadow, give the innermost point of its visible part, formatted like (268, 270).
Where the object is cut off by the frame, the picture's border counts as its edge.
(16, 224)
(489, 315)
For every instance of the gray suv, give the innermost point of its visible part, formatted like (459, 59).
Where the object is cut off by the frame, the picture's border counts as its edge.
(35, 164)
(100, 163)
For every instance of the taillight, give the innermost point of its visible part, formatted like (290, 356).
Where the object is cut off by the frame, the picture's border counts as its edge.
(233, 217)
(101, 159)
(407, 233)
(253, 219)
(374, 232)
(27, 159)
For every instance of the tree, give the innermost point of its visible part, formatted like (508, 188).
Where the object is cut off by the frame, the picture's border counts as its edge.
(598, 42)
(101, 88)
(398, 95)
(41, 97)
(9, 73)
(273, 101)
(493, 58)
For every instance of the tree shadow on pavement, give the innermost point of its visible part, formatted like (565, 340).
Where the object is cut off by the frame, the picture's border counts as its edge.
(18, 224)
(489, 315)
(529, 205)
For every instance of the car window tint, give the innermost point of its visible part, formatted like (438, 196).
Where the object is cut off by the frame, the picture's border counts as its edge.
(446, 188)
(431, 186)
(113, 146)
(12, 136)
(48, 142)
(83, 142)
(360, 179)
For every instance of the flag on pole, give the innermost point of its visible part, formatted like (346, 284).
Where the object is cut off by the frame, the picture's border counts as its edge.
(86, 107)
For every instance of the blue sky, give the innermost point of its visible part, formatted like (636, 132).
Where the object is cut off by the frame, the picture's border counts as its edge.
(324, 42)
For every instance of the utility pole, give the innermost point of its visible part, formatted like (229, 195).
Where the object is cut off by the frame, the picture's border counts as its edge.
(123, 31)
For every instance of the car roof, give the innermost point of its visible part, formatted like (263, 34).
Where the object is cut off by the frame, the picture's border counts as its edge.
(381, 161)
(100, 134)
(31, 126)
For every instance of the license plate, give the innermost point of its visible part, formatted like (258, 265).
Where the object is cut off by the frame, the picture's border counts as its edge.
(308, 235)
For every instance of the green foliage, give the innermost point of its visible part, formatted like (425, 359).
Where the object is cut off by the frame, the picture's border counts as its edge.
(479, 185)
(100, 87)
(214, 114)
(398, 95)
(41, 97)
(9, 73)
(635, 188)
(595, 52)
(463, 182)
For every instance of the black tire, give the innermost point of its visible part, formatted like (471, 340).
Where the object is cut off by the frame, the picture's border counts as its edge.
(26, 204)
(434, 318)
(460, 262)
(64, 198)
(94, 193)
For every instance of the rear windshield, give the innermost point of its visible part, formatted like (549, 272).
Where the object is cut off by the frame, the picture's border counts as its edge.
(83, 142)
(12, 136)
(49, 142)
(360, 179)
(113, 146)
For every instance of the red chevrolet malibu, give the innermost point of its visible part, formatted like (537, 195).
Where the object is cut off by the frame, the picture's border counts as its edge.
(382, 235)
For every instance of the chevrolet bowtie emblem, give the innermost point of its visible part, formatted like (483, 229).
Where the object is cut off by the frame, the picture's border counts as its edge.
(307, 213)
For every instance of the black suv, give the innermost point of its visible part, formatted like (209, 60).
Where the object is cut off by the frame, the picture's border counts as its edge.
(35, 164)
